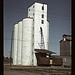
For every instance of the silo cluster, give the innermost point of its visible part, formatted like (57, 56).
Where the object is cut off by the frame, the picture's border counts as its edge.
(27, 45)
(27, 35)
(23, 42)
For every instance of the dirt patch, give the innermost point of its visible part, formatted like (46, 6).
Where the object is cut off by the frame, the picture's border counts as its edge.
(32, 71)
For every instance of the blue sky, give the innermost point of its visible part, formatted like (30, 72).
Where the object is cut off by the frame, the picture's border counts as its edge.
(59, 15)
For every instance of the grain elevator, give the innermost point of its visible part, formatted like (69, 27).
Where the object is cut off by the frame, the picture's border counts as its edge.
(29, 34)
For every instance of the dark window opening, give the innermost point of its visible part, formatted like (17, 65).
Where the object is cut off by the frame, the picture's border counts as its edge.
(42, 7)
(42, 21)
(42, 16)
(33, 14)
(29, 9)
(33, 6)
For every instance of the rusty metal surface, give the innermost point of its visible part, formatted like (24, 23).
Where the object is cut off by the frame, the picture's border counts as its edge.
(44, 51)
(40, 55)
(57, 61)
(43, 61)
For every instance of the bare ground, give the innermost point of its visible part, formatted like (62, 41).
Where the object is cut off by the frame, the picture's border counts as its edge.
(31, 71)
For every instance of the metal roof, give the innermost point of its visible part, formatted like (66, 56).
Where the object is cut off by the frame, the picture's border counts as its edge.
(44, 51)
(66, 35)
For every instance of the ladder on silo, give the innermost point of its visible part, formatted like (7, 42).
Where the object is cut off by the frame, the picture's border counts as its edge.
(42, 45)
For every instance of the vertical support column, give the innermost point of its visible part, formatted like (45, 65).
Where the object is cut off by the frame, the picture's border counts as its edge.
(19, 45)
(11, 49)
(15, 44)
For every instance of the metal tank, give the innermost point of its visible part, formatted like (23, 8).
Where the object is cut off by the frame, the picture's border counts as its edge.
(19, 43)
(27, 44)
(15, 44)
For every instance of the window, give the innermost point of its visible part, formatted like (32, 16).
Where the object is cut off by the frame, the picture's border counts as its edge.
(42, 21)
(51, 61)
(33, 6)
(29, 9)
(42, 7)
(33, 14)
(42, 16)
(64, 59)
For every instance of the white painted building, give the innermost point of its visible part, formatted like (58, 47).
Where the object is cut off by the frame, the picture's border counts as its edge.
(31, 34)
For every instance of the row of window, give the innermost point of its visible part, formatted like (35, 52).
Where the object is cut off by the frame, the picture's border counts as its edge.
(41, 16)
(42, 21)
(42, 8)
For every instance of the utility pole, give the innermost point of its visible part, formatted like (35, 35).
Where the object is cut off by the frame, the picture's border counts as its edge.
(11, 49)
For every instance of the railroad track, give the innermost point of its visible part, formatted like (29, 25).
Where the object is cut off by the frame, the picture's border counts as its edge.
(48, 70)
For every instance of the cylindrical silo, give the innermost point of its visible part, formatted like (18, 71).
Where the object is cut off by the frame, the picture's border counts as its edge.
(15, 44)
(27, 44)
(19, 43)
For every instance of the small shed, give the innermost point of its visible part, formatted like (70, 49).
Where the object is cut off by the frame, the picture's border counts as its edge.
(44, 57)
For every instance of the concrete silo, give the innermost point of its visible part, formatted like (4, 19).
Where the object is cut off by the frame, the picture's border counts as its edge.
(27, 44)
(38, 11)
(15, 44)
(19, 43)
(32, 31)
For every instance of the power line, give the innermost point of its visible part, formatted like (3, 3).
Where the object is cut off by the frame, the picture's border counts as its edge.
(27, 41)
(51, 37)
(38, 11)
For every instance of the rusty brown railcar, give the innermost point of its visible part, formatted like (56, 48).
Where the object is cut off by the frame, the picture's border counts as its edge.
(43, 60)
(57, 61)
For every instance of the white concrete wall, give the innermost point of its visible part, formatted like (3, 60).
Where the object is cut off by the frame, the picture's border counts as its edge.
(15, 44)
(19, 44)
(27, 44)
(47, 36)
(37, 10)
